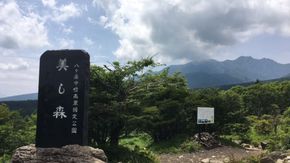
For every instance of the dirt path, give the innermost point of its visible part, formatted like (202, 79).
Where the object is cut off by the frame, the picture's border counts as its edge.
(217, 155)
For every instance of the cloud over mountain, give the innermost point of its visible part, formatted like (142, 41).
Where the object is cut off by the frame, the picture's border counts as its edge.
(188, 30)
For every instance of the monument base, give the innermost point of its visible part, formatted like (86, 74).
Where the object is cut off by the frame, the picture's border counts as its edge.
(66, 154)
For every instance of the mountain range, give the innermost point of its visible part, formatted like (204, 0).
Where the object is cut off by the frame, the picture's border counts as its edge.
(213, 73)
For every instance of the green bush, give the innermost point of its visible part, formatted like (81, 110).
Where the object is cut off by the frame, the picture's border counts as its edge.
(178, 144)
(15, 130)
(5, 158)
(263, 127)
(134, 148)
(123, 154)
(190, 146)
(273, 145)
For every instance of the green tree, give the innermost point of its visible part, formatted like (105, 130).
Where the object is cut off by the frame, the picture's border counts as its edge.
(15, 131)
(259, 98)
(285, 126)
(276, 117)
(163, 99)
(284, 89)
(263, 125)
(231, 117)
(110, 91)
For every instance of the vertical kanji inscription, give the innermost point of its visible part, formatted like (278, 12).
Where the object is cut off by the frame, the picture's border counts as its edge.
(63, 98)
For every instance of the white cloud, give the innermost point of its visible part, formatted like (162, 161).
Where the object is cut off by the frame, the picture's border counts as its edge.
(19, 30)
(92, 21)
(88, 41)
(85, 8)
(65, 12)
(18, 75)
(66, 43)
(49, 3)
(103, 20)
(62, 12)
(17, 64)
(68, 30)
(286, 29)
(180, 31)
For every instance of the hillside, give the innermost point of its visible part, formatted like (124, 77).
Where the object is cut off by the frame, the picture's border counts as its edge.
(24, 107)
(24, 97)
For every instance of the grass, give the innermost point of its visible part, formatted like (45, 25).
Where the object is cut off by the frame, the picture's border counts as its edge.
(141, 141)
(132, 149)
(179, 144)
(124, 154)
(171, 146)
(229, 140)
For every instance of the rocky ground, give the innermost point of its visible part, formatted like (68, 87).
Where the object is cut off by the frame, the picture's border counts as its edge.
(216, 155)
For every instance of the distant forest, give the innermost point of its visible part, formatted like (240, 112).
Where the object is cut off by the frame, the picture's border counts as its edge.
(24, 107)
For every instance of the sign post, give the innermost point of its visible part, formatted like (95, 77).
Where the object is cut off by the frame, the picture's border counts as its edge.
(205, 115)
(63, 98)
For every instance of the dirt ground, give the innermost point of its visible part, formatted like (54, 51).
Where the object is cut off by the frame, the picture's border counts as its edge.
(217, 155)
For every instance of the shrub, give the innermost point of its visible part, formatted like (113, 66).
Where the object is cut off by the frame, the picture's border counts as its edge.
(263, 127)
(123, 154)
(5, 158)
(190, 146)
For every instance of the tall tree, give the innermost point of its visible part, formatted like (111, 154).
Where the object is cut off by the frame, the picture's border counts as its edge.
(162, 97)
(110, 88)
(15, 130)
(259, 98)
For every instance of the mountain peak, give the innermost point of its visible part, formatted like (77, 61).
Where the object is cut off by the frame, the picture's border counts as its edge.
(250, 58)
(245, 58)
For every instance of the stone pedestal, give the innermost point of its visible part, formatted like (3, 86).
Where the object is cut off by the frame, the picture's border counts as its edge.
(66, 154)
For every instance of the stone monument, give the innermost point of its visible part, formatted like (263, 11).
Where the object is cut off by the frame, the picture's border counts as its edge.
(63, 98)
(62, 121)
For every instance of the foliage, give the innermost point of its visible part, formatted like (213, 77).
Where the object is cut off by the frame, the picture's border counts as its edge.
(180, 143)
(177, 144)
(190, 145)
(15, 130)
(111, 88)
(126, 99)
(123, 154)
(26, 108)
(162, 98)
(265, 129)
(142, 140)
(133, 148)
(285, 129)
(5, 158)
(263, 126)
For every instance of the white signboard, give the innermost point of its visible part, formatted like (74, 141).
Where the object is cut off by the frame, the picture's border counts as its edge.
(205, 115)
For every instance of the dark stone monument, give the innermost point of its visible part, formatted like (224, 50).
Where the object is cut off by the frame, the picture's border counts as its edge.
(63, 98)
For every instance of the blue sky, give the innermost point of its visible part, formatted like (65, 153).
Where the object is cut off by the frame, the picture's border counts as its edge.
(174, 31)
